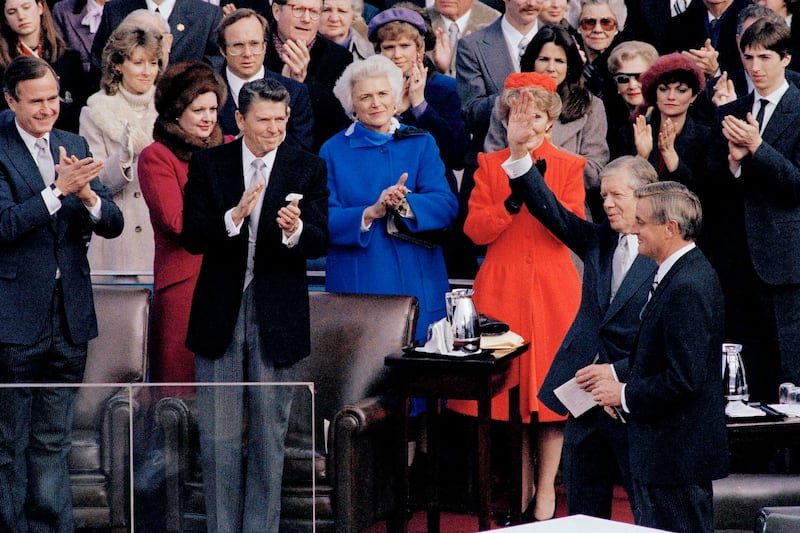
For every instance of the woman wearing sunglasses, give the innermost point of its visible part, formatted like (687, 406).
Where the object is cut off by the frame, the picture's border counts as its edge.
(599, 25)
(626, 63)
(663, 130)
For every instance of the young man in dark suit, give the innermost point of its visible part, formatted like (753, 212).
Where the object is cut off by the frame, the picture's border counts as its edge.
(616, 281)
(243, 42)
(48, 212)
(752, 200)
(250, 314)
(670, 394)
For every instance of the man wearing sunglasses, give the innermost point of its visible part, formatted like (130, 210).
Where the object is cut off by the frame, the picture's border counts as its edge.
(299, 52)
(706, 32)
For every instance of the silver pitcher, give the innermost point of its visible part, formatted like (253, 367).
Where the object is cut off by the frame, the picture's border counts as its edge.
(464, 320)
(734, 376)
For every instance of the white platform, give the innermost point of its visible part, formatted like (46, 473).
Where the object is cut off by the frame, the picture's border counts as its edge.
(578, 524)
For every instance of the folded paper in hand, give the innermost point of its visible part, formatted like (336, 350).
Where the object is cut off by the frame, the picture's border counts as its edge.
(574, 398)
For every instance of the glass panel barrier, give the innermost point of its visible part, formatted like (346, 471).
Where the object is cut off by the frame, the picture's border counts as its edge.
(135, 463)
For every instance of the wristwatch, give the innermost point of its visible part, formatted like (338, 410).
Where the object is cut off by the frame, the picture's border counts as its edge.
(57, 192)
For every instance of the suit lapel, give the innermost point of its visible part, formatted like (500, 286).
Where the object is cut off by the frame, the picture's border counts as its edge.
(498, 59)
(179, 21)
(642, 271)
(784, 115)
(664, 283)
(20, 158)
(603, 287)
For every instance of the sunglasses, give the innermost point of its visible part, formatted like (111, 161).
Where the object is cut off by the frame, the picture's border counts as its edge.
(607, 24)
(625, 77)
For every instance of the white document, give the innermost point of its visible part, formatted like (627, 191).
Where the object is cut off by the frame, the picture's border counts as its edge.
(574, 398)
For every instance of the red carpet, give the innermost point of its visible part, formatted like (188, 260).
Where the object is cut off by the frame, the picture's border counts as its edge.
(468, 523)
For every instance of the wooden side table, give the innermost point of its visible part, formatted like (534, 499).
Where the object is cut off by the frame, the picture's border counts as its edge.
(481, 379)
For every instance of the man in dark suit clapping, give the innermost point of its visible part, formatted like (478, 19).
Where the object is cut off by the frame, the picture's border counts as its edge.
(48, 212)
(752, 202)
(670, 393)
(256, 209)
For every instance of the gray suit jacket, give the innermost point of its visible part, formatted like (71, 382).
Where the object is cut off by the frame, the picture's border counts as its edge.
(480, 16)
(482, 64)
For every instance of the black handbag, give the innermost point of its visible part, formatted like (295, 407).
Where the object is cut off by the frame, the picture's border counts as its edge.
(396, 227)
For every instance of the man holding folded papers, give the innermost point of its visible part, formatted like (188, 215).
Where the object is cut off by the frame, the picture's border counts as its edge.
(616, 281)
(670, 394)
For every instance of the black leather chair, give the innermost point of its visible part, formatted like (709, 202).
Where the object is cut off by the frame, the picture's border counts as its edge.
(99, 458)
(739, 497)
(778, 520)
(353, 474)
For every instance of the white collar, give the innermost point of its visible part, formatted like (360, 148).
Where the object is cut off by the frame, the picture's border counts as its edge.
(236, 83)
(164, 8)
(30, 140)
(670, 261)
(248, 157)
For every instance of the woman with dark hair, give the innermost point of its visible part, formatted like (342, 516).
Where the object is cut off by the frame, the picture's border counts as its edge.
(26, 28)
(117, 122)
(581, 126)
(187, 98)
(663, 131)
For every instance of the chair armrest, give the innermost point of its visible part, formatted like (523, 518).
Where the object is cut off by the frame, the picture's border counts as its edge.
(173, 416)
(117, 413)
(784, 519)
(361, 460)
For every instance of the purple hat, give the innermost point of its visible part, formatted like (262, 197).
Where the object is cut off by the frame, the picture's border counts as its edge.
(396, 14)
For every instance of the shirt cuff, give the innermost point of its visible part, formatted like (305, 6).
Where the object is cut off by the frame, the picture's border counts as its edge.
(95, 211)
(232, 229)
(518, 167)
(52, 203)
(622, 397)
(292, 240)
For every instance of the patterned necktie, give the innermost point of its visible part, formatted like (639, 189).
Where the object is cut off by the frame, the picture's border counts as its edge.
(455, 34)
(45, 161)
(619, 264)
(653, 288)
(679, 6)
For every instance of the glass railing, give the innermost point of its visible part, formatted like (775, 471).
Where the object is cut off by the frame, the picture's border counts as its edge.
(140, 451)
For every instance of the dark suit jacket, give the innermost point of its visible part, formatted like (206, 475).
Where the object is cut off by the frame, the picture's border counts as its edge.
(647, 21)
(216, 184)
(193, 24)
(688, 145)
(770, 191)
(34, 244)
(299, 130)
(328, 61)
(688, 30)
(67, 17)
(599, 327)
(676, 426)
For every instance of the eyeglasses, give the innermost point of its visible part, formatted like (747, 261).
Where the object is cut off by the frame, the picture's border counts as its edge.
(606, 23)
(255, 47)
(625, 77)
(299, 11)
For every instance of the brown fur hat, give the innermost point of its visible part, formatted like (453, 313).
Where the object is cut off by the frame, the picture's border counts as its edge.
(180, 84)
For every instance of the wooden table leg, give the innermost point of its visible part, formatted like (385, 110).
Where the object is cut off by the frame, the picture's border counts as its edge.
(434, 456)
(515, 430)
(484, 461)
